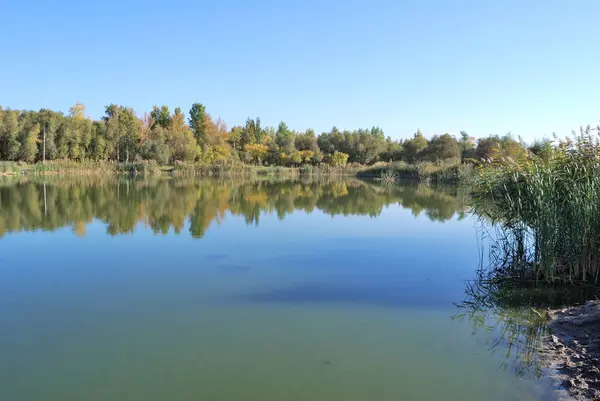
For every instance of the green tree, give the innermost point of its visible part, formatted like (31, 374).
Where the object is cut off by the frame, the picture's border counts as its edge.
(130, 128)
(259, 133)
(28, 139)
(252, 133)
(284, 138)
(9, 137)
(97, 147)
(368, 146)
(183, 145)
(327, 142)
(414, 147)
(307, 141)
(443, 147)
(377, 133)
(393, 150)
(511, 148)
(197, 122)
(542, 149)
(235, 137)
(467, 146)
(50, 123)
(488, 148)
(161, 116)
(87, 130)
(113, 132)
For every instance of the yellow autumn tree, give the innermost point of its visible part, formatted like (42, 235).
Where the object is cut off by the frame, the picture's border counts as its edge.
(257, 151)
(338, 159)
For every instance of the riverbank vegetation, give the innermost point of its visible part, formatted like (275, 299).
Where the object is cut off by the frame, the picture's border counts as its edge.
(165, 140)
(225, 168)
(546, 211)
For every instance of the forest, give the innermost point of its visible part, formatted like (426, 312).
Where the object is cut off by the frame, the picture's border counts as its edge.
(168, 138)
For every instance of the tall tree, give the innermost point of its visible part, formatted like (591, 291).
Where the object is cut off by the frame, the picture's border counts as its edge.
(9, 142)
(77, 111)
(252, 133)
(97, 147)
(511, 148)
(284, 138)
(29, 138)
(79, 133)
(50, 123)
(180, 138)
(113, 132)
(235, 136)
(197, 122)
(443, 147)
(177, 120)
(259, 133)
(161, 116)
(130, 138)
(488, 148)
(542, 149)
(307, 141)
(467, 145)
(415, 146)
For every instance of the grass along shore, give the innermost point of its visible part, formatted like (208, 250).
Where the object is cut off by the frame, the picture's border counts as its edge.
(67, 167)
(448, 172)
(452, 171)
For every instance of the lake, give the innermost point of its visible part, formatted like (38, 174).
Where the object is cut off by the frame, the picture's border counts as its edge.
(176, 289)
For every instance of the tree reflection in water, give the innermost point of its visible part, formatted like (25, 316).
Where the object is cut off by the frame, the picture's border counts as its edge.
(166, 204)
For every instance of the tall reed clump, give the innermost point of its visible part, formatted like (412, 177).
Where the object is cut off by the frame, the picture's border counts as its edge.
(389, 177)
(547, 212)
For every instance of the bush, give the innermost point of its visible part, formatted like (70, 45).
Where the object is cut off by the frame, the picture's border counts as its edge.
(338, 159)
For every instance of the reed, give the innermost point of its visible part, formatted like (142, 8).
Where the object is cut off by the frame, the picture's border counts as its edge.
(545, 212)
(388, 177)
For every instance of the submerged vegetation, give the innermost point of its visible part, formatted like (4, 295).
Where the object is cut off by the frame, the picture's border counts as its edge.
(545, 212)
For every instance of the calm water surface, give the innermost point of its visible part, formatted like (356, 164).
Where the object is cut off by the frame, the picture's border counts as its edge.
(222, 290)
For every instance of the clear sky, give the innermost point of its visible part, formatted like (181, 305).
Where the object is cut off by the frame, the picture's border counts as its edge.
(527, 66)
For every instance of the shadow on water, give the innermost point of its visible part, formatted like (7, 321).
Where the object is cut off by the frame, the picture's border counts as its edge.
(215, 256)
(233, 268)
(389, 294)
(166, 205)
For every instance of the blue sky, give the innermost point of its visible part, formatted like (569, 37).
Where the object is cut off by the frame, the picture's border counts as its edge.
(529, 66)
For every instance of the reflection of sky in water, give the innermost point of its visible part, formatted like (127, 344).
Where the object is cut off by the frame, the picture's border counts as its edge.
(308, 307)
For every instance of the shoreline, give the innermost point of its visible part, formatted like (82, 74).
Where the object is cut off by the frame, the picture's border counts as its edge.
(410, 174)
(572, 350)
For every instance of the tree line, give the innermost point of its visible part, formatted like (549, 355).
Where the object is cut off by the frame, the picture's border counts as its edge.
(167, 137)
